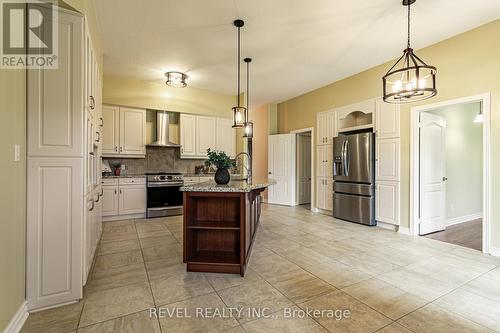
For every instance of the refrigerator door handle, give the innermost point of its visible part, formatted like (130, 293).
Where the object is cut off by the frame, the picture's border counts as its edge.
(345, 158)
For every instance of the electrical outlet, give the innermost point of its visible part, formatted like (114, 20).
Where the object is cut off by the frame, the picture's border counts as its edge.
(17, 153)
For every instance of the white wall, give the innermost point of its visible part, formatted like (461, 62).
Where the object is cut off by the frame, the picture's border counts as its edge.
(464, 160)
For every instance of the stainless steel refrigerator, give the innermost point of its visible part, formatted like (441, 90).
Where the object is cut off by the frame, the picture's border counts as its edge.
(354, 176)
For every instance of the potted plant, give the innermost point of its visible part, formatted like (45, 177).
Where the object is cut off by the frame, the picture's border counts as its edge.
(222, 162)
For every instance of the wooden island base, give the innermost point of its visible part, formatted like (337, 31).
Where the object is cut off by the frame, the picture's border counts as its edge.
(219, 229)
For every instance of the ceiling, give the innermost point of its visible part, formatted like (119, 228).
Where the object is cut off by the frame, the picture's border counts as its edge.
(296, 45)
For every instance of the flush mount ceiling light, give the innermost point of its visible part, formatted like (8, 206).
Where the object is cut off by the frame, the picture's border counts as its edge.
(239, 112)
(176, 79)
(249, 124)
(410, 79)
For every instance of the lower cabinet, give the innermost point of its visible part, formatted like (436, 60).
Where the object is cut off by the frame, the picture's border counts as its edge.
(387, 202)
(122, 197)
(92, 229)
(324, 193)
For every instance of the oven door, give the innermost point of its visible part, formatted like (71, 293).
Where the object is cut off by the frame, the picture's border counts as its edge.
(164, 199)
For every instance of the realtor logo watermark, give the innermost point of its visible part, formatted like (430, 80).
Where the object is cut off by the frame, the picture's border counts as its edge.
(29, 34)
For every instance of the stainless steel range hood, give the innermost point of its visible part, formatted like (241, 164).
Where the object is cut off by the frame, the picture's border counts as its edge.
(162, 131)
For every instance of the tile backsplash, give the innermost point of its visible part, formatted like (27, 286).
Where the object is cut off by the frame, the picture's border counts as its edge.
(157, 159)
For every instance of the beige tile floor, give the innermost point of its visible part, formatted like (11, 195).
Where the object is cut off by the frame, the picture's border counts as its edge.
(301, 261)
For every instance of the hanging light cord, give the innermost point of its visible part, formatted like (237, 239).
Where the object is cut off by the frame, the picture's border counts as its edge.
(409, 5)
(248, 89)
(238, 95)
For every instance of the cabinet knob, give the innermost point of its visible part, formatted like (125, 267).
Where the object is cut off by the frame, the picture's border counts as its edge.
(116, 192)
(116, 148)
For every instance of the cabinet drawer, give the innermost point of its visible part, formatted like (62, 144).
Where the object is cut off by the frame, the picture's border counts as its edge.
(131, 181)
(109, 181)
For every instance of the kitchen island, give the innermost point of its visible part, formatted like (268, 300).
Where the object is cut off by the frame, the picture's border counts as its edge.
(220, 224)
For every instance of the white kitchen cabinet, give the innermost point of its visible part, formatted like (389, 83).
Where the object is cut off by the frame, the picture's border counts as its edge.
(198, 133)
(224, 137)
(132, 131)
(123, 198)
(321, 128)
(54, 230)
(331, 126)
(326, 128)
(111, 129)
(387, 202)
(387, 120)
(110, 200)
(324, 193)
(188, 135)
(320, 193)
(387, 161)
(63, 166)
(205, 135)
(124, 131)
(329, 194)
(324, 161)
(131, 199)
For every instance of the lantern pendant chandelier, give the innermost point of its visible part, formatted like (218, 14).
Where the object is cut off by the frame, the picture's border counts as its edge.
(239, 112)
(410, 79)
(249, 124)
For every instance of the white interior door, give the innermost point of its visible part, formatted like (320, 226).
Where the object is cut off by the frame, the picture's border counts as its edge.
(432, 173)
(304, 169)
(281, 163)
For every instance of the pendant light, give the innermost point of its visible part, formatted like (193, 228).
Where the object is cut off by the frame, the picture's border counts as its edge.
(176, 79)
(410, 79)
(239, 112)
(249, 124)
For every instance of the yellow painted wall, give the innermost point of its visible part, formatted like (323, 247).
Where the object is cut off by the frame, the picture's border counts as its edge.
(158, 96)
(12, 193)
(468, 64)
(259, 116)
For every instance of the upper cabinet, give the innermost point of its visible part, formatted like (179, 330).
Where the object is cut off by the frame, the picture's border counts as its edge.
(198, 133)
(326, 128)
(111, 122)
(206, 133)
(387, 120)
(224, 138)
(132, 131)
(124, 132)
(188, 135)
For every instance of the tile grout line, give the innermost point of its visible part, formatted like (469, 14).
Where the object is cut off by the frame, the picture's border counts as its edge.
(147, 274)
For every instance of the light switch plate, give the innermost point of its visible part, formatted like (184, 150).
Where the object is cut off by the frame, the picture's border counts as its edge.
(17, 153)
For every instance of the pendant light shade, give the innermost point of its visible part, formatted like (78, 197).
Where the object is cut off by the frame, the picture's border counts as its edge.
(249, 124)
(239, 116)
(176, 79)
(239, 112)
(410, 79)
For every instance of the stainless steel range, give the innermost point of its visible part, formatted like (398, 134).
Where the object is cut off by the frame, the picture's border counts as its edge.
(164, 197)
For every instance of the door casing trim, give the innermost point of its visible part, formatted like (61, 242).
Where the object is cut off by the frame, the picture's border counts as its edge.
(415, 162)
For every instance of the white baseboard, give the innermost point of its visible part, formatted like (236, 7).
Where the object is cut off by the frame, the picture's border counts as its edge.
(463, 219)
(123, 217)
(387, 226)
(17, 322)
(495, 251)
(404, 231)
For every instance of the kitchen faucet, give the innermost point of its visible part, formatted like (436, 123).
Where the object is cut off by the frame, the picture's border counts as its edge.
(248, 168)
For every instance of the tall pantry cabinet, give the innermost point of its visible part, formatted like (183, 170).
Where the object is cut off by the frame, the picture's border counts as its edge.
(63, 175)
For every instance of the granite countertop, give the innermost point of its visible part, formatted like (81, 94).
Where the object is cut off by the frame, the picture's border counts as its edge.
(207, 175)
(232, 186)
(140, 175)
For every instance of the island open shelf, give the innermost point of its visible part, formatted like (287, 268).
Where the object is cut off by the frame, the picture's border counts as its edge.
(219, 229)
